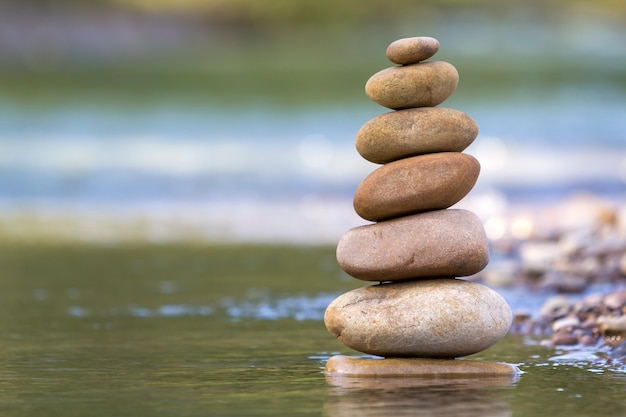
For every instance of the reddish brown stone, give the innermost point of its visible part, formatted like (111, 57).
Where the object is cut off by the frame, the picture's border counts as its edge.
(412, 185)
(448, 243)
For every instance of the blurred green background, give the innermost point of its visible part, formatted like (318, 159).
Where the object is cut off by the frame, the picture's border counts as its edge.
(295, 52)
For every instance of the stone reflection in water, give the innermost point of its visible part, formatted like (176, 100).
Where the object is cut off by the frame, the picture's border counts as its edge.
(397, 396)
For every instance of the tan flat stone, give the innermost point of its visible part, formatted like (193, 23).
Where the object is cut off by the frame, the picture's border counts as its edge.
(412, 50)
(378, 395)
(341, 365)
(425, 84)
(441, 243)
(404, 133)
(412, 185)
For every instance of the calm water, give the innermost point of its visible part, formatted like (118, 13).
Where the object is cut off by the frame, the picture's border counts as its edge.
(231, 331)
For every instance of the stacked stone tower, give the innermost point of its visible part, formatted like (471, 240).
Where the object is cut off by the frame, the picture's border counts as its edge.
(416, 247)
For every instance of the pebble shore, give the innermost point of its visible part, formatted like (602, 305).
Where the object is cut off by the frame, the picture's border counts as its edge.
(574, 251)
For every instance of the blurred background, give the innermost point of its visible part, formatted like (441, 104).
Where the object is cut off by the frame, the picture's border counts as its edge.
(234, 120)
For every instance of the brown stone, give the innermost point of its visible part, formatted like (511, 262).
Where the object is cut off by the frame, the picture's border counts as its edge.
(434, 318)
(412, 50)
(412, 185)
(564, 339)
(437, 243)
(341, 365)
(410, 132)
(425, 84)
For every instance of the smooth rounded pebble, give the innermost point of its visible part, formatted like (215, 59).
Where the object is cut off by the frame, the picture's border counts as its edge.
(412, 50)
(342, 365)
(436, 318)
(425, 84)
(441, 243)
(403, 133)
(412, 185)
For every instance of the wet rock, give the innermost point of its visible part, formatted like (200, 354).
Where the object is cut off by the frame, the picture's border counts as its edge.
(438, 243)
(613, 329)
(615, 301)
(412, 50)
(592, 301)
(556, 307)
(564, 339)
(567, 323)
(351, 366)
(438, 318)
(404, 133)
(587, 340)
(412, 185)
(564, 283)
(595, 320)
(425, 84)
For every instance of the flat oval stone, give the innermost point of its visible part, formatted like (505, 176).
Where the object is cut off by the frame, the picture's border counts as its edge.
(412, 50)
(403, 133)
(441, 243)
(341, 365)
(425, 84)
(412, 185)
(437, 318)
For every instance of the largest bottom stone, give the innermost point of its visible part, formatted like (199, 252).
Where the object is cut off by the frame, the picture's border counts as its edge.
(434, 318)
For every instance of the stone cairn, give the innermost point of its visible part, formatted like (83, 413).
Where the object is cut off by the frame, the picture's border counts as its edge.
(417, 246)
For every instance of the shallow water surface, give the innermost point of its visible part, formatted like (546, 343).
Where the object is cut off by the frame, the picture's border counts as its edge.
(231, 331)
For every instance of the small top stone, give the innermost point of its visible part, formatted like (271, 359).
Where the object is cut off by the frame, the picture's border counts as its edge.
(412, 50)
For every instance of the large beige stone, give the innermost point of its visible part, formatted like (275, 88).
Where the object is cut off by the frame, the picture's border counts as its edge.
(412, 185)
(341, 365)
(437, 318)
(403, 133)
(449, 243)
(425, 84)
(412, 50)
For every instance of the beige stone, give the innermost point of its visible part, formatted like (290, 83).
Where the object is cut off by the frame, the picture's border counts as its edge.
(412, 185)
(342, 365)
(437, 243)
(403, 133)
(425, 84)
(412, 50)
(435, 318)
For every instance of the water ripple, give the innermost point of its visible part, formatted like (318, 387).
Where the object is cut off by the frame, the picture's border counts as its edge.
(300, 307)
